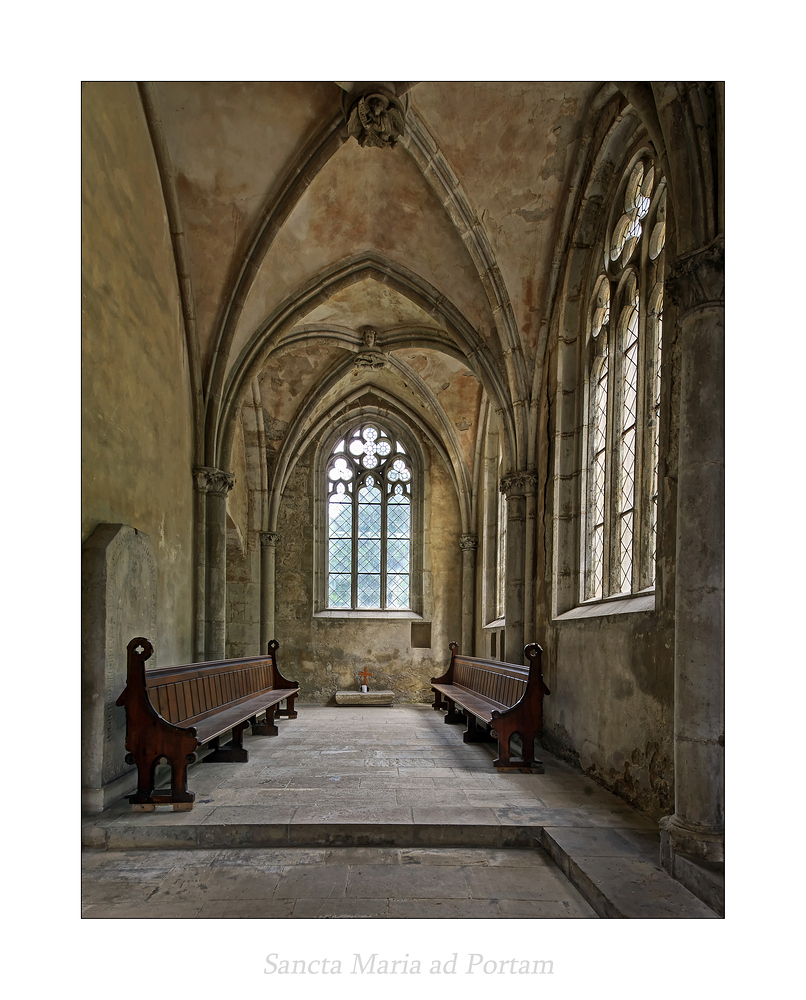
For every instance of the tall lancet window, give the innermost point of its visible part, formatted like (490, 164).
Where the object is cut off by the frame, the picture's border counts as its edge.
(623, 391)
(369, 506)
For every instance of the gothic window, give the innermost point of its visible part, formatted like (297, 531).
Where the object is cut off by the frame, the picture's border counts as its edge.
(369, 484)
(623, 366)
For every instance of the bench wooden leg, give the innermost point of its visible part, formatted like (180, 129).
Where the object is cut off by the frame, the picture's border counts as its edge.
(232, 752)
(267, 727)
(438, 702)
(289, 711)
(146, 798)
(506, 763)
(474, 732)
(453, 718)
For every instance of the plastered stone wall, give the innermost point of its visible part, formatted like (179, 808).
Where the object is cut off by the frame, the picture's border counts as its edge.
(611, 707)
(136, 416)
(326, 655)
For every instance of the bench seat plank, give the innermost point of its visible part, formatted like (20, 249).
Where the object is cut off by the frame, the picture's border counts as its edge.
(480, 706)
(221, 720)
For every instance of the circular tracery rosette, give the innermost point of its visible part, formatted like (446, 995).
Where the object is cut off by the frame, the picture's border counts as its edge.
(637, 197)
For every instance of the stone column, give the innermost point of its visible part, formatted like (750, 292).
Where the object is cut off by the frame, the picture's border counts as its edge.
(516, 487)
(696, 284)
(268, 552)
(216, 484)
(199, 562)
(468, 544)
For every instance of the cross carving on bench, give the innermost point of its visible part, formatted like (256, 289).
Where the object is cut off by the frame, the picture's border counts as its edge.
(364, 674)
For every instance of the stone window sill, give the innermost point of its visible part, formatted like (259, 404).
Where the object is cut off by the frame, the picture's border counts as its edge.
(344, 614)
(498, 623)
(629, 604)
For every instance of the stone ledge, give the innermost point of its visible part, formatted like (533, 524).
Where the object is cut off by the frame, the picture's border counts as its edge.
(365, 697)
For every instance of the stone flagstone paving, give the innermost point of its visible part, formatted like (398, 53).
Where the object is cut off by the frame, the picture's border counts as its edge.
(379, 812)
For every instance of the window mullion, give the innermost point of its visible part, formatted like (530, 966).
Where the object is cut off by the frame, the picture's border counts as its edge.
(354, 561)
(384, 500)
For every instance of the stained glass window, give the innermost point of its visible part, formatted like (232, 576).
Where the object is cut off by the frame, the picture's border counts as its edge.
(369, 482)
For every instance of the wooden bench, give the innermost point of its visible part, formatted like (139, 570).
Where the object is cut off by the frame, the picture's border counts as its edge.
(506, 697)
(172, 711)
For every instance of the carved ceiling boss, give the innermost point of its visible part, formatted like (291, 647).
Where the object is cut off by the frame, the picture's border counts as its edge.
(377, 119)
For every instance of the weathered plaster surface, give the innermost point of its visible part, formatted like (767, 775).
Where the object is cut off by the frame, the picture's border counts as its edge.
(612, 701)
(230, 143)
(136, 424)
(372, 200)
(513, 163)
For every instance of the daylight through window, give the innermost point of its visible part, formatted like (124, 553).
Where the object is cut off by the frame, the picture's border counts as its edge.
(369, 495)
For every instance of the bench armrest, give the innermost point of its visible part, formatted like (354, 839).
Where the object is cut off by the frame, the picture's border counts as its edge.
(447, 677)
(279, 681)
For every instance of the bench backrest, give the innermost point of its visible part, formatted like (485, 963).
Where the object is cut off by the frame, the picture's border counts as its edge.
(194, 690)
(504, 683)
(187, 694)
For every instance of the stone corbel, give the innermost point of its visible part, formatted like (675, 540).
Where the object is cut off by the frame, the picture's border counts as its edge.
(206, 480)
(519, 484)
(269, 539)
(697, 280)
(371, 357)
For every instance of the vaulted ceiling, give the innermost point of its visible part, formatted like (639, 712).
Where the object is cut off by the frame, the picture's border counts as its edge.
(295, 239)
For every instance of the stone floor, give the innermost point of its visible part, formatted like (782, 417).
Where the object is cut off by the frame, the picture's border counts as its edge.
(379, 812)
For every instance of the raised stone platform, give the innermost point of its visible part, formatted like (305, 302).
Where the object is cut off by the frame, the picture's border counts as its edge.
(365, 698)
(401, 779)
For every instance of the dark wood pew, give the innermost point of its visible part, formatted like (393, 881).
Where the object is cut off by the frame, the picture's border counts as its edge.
(172, 711)
(507, 697)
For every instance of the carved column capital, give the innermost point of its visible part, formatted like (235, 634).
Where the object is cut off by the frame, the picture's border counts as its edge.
(470, 542)
(697, 280)
(518, 484)
(269, 539)
(206, 480)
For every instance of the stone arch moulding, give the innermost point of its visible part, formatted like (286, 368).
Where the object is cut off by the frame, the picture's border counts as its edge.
(428, 157)
(346, 409)
(446, 442)
(275, 331)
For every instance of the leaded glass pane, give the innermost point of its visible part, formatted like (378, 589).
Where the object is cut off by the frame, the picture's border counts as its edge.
(626, 552)
(340, 555)
(397, 590)
(369, 555)
(340, 511)
(369, 590)
(597, 561)
(398, 517)
(369, 520)
(628, 469)
(339, 590)
(397, 555)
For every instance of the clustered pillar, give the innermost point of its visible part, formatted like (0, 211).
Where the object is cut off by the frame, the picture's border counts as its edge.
(468, 544)
(268, 554)
(212, 489)
(517, 488)
(696, 285)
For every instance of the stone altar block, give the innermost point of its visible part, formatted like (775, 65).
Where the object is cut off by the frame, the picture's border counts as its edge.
(365, 697)
(119, 601)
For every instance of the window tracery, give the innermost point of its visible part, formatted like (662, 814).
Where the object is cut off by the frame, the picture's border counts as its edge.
(369, 525)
